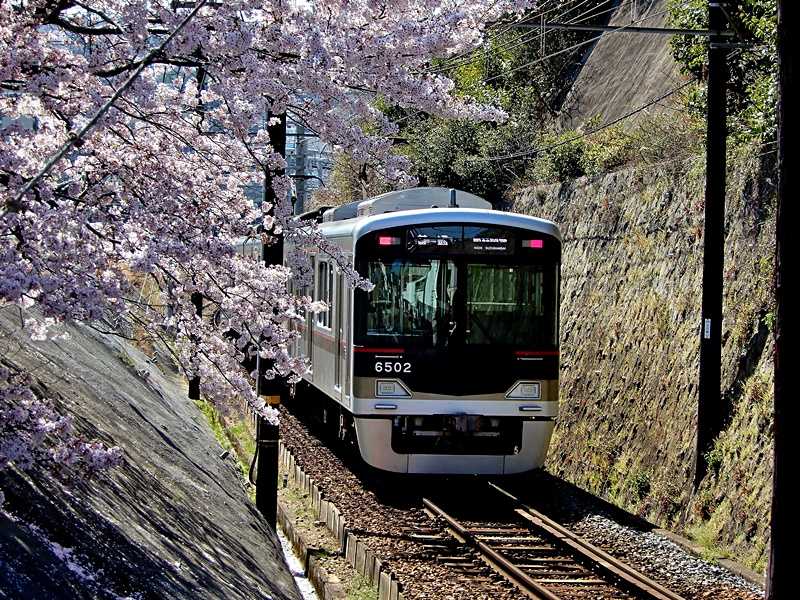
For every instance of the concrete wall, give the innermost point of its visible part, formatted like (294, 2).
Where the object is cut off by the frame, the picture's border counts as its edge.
(624, 71)
(174, 521)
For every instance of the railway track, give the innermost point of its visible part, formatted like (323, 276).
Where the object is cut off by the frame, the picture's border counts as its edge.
(542, 558)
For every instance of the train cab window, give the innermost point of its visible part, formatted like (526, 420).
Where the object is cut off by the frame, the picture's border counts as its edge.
(510, 304)
(325, 293)
(412, 299)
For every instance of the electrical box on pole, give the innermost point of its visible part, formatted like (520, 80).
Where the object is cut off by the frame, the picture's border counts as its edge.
(710, 411)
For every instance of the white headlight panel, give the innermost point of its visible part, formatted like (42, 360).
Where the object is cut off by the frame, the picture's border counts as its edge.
(391, 388)
(530, 390)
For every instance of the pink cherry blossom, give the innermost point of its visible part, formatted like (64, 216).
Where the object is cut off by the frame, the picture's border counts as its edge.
(152, 197)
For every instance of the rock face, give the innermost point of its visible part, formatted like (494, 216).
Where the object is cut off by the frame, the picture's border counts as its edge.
(630, 314)
(173, 522)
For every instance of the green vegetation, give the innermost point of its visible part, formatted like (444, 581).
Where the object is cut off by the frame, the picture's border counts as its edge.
(233, 434)
(214, 421)
(300, 504)
(731, 507)
(628, 484)
(510, 74)
(519, 71)
(361, 589)
(513, 72)
(707, 534)
(752, 97)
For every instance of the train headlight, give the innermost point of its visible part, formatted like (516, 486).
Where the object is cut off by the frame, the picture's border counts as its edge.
(391, 388)
(525, 389)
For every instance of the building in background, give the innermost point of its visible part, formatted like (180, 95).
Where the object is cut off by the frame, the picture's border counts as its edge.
(309, 163)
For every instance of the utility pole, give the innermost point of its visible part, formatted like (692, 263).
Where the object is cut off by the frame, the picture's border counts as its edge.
(194, 382)
(780, 585)
(710, 411)
(272, 254)
(267, 433)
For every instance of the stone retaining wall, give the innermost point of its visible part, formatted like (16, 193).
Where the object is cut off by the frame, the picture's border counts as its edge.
(630, 314)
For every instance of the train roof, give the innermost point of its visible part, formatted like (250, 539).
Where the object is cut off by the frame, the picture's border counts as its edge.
(408, 199)
(357, 227)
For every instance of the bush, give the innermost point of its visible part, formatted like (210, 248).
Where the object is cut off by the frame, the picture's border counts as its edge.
(573, 154)
(606, 150)
(561, 160)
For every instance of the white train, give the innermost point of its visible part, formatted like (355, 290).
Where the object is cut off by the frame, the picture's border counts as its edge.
(450, 364)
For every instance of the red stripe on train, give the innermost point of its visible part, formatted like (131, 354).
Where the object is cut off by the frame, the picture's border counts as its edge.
(378, 350)
(536, 353)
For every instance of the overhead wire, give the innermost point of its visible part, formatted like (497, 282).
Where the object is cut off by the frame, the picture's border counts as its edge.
(538, 150)
(466, 56)
(621, 29)
(585, 15)
(539, 34)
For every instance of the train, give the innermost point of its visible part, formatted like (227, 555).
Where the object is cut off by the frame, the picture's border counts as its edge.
(450, 364)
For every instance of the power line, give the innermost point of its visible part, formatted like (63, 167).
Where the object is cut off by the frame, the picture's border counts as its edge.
(629, 29)
(570, 48)
(584, 16)
(465, 57)
(563, 51)
(540, 149)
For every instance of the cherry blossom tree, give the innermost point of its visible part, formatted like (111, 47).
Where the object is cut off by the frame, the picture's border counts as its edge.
(131, 132)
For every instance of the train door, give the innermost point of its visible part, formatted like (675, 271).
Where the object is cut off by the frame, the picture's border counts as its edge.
(337, 381)
(347, 336)
(310, 317)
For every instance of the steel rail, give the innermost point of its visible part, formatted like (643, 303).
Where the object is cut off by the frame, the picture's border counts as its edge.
(607, 563)
(494, 559)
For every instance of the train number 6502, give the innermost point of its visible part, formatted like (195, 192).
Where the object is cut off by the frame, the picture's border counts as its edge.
(392, 367)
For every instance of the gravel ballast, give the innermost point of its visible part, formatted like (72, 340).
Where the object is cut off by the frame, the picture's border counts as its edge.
(385, 510)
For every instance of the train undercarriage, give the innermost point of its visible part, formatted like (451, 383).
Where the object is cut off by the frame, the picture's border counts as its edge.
(436, 443)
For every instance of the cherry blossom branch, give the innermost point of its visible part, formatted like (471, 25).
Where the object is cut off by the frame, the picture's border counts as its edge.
(77, 138)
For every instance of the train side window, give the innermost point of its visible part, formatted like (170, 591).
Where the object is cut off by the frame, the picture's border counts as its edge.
(325, 293)
(308, 290)
(330, 295)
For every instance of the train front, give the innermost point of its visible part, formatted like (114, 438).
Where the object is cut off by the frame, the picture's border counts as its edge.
(455, 350)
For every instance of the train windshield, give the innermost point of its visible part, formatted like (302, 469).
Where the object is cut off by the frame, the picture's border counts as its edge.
(458, 285)
(509, 304)
(412, 299)
(439, 302)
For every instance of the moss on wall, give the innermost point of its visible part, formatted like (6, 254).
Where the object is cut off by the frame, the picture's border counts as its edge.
(631, 290)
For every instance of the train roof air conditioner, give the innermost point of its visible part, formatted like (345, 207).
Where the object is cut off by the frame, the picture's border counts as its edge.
(410, 199)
